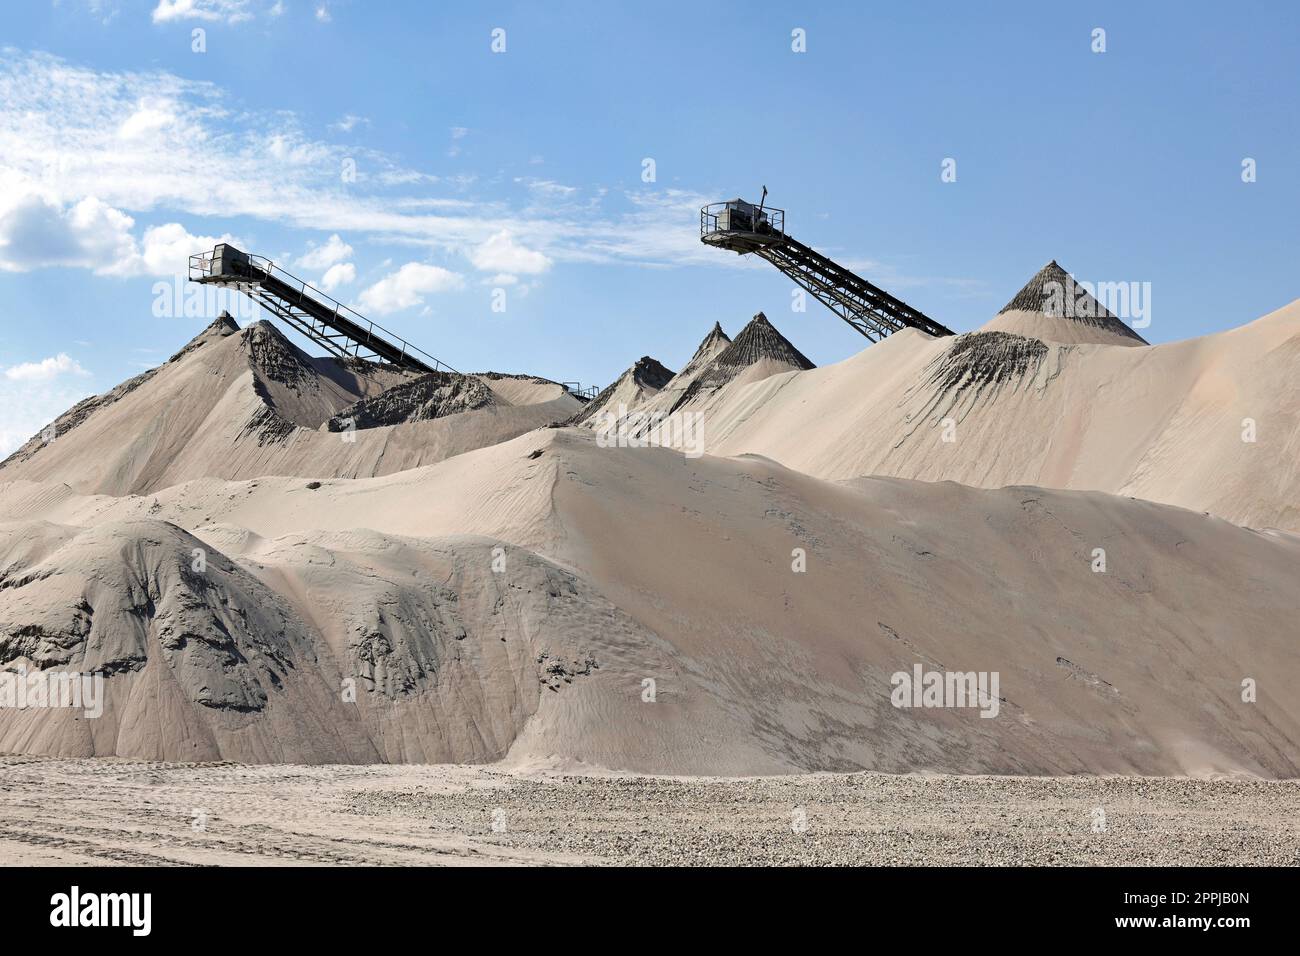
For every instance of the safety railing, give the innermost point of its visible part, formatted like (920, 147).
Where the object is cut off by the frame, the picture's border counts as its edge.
(723, 217)
(260, 269)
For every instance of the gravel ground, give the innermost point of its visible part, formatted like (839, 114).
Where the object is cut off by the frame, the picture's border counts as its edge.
(130, 812)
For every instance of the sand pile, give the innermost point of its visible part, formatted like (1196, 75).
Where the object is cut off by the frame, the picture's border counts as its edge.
(524, 389)
(221, 327)
(1208, 424)
(709, 348)
(543, 649)
(1055, 308)
(712, 345)
(645, 379)
(757, 352)
(457, 583)
(975, 370)
(242, 403)
(329, 648)
(430, 396)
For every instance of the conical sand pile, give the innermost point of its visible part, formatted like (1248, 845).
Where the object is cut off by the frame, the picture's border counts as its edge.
(632, 389)
(714, 343)
(242, 403)
(759, 341)
(1054, 308)
(759, 351)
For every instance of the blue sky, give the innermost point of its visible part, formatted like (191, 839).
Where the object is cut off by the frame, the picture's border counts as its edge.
(122, 149)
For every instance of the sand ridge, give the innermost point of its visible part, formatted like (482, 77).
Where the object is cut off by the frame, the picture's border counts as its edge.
(755, 667)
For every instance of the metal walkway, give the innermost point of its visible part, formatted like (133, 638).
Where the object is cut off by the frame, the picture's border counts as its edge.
(323, 319)
(743, 228)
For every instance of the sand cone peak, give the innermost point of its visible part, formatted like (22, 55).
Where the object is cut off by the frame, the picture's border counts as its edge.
(225, 324)
(710, 346)
(219, 328)
(643, 380)
(272, 355)
(715, 338)
(650, 371)
(1046, 288)
(1053, 307)
(761, 341)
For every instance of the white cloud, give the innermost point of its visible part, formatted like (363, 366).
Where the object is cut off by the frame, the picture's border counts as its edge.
(37, 233)
(68, 133)
(327, 254)
(500, 253)
(149, 118)
(323, 13)
(349, 122)
(167, 249)
(548, 187)
(407, 287)
(45, 370)
(342, 273)
(228, 11)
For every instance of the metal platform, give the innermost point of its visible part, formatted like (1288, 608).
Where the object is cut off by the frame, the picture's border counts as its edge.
(322, 318)
(745, 228)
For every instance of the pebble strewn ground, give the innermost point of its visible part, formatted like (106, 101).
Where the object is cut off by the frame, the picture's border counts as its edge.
(131, 812)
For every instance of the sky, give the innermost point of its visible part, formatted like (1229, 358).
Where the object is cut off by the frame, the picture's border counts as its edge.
(516, 187)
